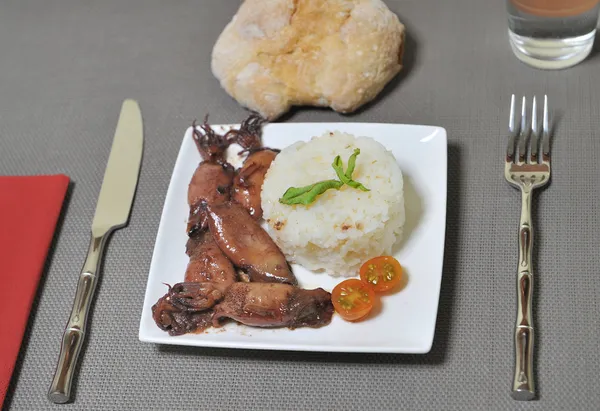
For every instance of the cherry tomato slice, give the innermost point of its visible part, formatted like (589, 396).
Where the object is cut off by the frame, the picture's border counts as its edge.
(382, 273)
(352, 299)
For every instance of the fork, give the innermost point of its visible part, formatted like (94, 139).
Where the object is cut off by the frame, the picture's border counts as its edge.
(526, 168)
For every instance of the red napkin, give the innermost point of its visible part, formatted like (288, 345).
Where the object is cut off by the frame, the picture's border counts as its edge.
(29, 210)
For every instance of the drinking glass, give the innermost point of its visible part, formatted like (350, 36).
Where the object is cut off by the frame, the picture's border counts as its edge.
(552, 34)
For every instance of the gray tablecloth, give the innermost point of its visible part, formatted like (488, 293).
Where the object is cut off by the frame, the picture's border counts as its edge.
(65, 67)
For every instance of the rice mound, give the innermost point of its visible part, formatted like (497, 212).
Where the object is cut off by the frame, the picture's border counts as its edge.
(342, 228)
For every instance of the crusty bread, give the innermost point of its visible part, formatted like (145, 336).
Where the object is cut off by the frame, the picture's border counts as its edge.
(275, 54)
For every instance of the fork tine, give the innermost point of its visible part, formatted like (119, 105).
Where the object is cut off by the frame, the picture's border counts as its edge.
(535, 132)
(546, 132)
(512, 130)
(511, 121)
(523, 133)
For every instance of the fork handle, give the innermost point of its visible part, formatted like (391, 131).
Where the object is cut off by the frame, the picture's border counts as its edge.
(523, 384)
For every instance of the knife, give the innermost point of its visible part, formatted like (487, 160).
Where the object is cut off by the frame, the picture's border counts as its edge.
(112, 212)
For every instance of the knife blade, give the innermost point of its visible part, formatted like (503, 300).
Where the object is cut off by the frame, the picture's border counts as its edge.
(112, 212)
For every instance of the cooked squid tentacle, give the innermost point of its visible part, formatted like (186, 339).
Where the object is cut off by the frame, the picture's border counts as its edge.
(210, 145)
(248, 135)
(208, 263)
(247, 184)
(247, 244)
(210, 184)
(194, 296)
(275, 305)
(186, 307)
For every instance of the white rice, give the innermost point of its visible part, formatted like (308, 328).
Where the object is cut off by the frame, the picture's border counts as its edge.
(343, 228)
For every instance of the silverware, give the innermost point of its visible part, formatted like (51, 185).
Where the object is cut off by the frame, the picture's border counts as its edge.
(112, 212)
(526, 168)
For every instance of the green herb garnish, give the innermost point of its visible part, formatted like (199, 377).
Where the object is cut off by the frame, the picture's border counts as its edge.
(308, 194)
(346, 177)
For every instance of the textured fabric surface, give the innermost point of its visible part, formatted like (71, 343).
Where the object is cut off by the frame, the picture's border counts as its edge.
(65, 67)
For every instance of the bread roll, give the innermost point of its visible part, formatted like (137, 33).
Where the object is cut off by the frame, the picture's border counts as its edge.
(275, 54)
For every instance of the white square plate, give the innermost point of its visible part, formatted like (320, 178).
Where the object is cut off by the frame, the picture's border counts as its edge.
(405, 320)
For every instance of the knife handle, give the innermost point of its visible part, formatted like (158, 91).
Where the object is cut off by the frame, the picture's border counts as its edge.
(60, 390)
